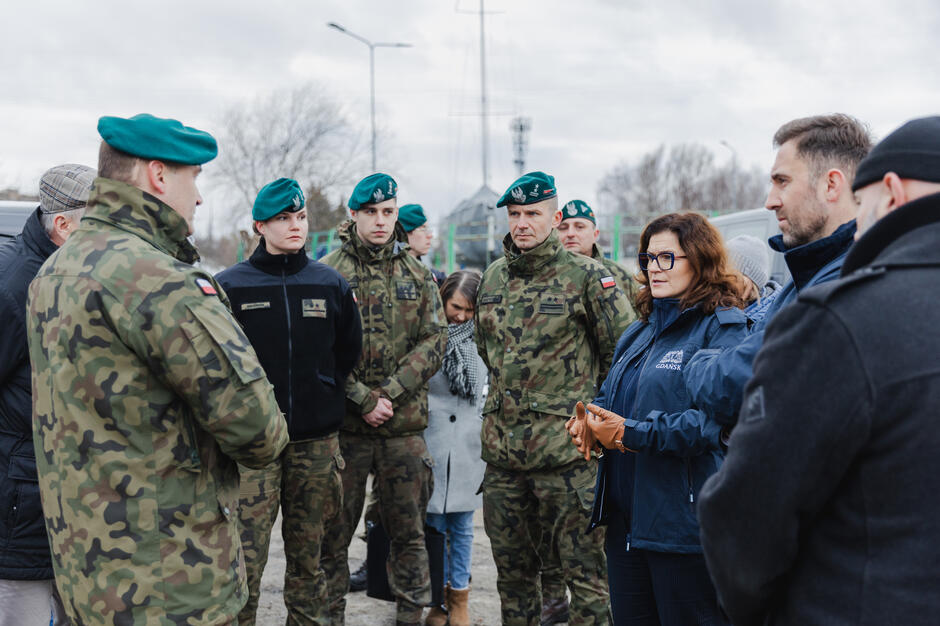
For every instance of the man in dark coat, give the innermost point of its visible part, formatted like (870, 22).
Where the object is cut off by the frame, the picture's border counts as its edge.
(26, 579)
(825, 510)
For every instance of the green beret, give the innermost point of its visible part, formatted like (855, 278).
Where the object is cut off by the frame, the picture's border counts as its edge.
(578, 208)
(529, 189)
(372, 190)
(284, 194)
(149, 137)
(411, 216)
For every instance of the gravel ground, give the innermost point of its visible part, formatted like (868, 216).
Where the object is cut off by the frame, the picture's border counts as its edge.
(364, 611)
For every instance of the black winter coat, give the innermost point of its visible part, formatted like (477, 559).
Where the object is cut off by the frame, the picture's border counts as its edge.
(303, 321)
(826, 510)
(24, 545)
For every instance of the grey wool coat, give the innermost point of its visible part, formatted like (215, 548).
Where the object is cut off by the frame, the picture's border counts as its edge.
(453, 439)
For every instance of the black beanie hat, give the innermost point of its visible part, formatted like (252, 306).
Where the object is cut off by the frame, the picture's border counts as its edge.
(912, 151)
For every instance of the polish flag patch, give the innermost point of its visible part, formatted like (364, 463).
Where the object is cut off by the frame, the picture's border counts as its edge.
(206, 287)
(608, 281)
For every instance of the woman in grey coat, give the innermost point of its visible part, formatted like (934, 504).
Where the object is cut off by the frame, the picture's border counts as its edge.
(455, 402)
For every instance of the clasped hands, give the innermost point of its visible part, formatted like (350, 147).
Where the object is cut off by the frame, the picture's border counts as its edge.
(595, 425)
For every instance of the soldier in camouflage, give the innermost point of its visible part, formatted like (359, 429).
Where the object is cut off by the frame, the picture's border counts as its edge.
(579, 233)
(303, 322)
(404, 335)
(145, 394)
(547, 322)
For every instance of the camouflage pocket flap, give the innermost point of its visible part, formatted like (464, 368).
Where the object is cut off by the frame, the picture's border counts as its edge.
(219, 341)
(491, 403)
(549, 403)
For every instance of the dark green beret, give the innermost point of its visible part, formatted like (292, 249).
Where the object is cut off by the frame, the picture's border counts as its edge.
(578, 208)
(411, 216)
(529, 189)
(284, 194)
(149, 137)
(372, 190)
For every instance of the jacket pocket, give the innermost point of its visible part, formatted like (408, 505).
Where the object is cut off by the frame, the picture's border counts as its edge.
(327, 380)
(25, 513)
(221, 346)
(549, 403)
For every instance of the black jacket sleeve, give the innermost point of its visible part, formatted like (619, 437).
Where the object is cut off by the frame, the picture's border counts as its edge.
(348, 334)
(804, 417)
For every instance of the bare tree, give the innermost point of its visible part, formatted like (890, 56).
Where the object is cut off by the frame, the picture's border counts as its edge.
(682, 179)
(299, 133)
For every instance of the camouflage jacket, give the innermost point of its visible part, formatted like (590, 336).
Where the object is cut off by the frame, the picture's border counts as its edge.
(145, 394)
(547, 323)
(624, 279)
(404, 333)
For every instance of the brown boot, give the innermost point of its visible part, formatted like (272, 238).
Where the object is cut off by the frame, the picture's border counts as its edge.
(457, 601)
(437, 616)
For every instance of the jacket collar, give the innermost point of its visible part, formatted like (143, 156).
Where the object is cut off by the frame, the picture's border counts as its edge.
(805, 261)
(35, 237)
(891, 241)
(137, 212)
(277, 263)
(366, 253)
(529, 262)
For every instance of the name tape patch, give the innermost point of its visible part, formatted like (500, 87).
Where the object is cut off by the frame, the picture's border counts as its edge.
(253, 306)
(492, 299)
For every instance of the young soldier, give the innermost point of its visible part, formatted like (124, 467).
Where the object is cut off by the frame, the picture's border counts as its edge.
(146, 393)
(415, 222)
(404, 335)
(547, 322)
(303, 322)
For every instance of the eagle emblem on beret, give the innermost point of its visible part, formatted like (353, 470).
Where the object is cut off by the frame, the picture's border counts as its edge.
(571, 209)
(377, 195)
(518, 194)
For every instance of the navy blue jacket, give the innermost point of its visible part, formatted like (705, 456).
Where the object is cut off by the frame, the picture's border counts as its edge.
(716, 378)
(24, 545)
(677, 446)
(303, 321)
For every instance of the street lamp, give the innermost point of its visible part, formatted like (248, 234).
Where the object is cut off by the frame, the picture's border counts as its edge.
(372, 47)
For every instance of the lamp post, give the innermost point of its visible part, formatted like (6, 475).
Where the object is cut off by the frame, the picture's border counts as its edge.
(372, 47)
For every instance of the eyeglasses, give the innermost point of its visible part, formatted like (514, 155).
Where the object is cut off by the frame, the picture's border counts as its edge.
(665, 260)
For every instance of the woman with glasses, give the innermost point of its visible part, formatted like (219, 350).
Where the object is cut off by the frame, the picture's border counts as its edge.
(658, 447)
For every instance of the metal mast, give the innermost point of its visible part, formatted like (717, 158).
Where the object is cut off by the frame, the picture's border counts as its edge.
(483, 111)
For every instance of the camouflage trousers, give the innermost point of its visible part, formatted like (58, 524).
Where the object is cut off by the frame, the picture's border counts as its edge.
(531, 514)
(306, 482)
(402, 483)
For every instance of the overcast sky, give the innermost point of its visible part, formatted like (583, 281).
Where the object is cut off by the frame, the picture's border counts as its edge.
(602, 80)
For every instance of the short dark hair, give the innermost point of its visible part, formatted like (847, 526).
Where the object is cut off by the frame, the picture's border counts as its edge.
(467, 282)
(119, 165)
(826, 141)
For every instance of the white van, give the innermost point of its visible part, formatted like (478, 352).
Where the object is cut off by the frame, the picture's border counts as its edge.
(13, 215)
(759, 223)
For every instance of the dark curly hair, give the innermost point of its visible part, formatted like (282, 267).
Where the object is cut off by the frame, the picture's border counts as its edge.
(714, 283)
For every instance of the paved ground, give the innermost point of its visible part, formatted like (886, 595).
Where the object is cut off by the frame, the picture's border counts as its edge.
(364, 611)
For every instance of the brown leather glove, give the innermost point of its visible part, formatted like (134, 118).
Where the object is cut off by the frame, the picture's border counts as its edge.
(581, 435)
(607, 427)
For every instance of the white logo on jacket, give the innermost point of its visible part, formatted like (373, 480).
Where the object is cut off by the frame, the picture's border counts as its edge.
(672, 360)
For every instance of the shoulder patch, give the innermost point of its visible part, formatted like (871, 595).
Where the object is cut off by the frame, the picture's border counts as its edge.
(753, 409)
(206, 287)
(491, 299)
(608, 281)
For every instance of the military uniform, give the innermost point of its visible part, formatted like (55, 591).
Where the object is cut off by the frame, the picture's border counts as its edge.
(301, 318)
(404, 335)
(547, 323)
(146, 393)
(624, 279)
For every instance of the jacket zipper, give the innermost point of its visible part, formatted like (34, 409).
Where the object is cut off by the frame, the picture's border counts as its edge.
(688, 472)
(290, 353)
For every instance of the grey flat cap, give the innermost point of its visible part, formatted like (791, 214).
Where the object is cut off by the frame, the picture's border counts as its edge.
(65, 187)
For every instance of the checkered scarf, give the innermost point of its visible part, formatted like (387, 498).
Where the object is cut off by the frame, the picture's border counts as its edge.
(460, 364)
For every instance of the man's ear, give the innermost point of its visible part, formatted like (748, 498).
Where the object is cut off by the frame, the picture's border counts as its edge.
(836, 185)
(156, 176)
(556, 219)
(896, 192)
